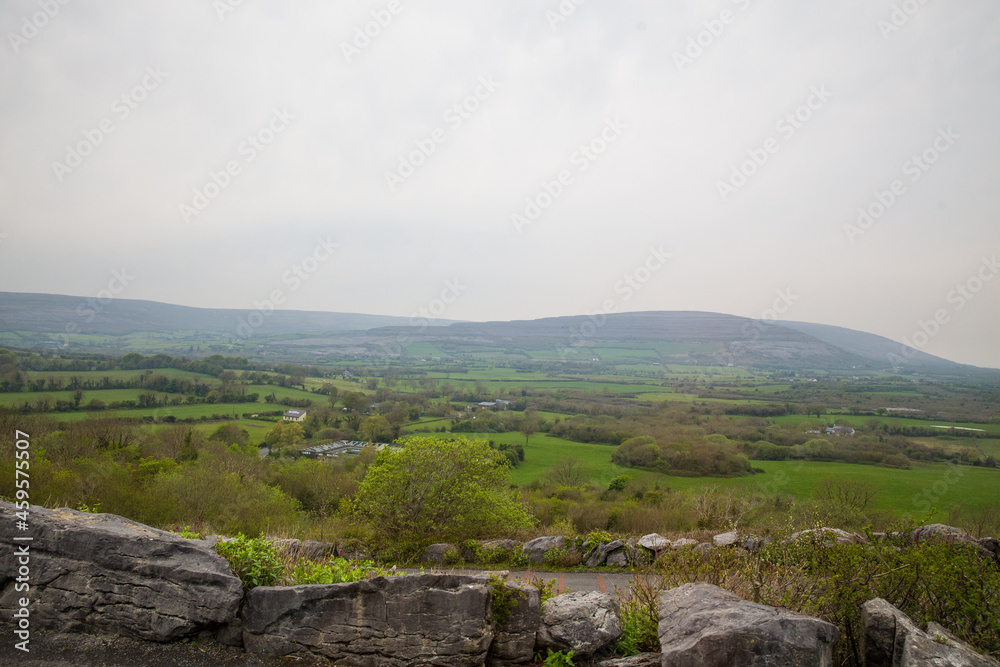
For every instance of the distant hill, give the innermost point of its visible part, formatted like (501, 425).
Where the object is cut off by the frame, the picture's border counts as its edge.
(878, 348)
(730, 340)
(644, 338)
(53, 313)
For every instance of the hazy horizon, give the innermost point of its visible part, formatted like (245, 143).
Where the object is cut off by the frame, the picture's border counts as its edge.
(526, 161)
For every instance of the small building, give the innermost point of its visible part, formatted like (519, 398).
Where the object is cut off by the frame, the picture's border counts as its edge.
(840, 430)
(294, 415)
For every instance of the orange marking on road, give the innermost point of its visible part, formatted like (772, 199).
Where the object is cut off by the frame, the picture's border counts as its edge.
(560, 587)
(600, 584)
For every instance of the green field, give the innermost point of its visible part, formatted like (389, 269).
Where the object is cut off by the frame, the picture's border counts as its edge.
(862, 420)
(543, 451)
(256, 428)
(119, 375)
(106, 395)
(179, 411)
(899, 490)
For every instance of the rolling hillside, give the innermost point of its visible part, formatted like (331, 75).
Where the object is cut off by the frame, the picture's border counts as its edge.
(686, 337)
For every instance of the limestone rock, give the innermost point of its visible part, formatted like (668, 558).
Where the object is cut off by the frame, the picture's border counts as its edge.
(508, 545)
(891, 639)
(425, 619)
(317, 550)
(608, 549)
(536, 548)
(726, 539)
(939, 532)
(684, 542)
(940, 634)
(102, 572)
(704, 625)
(617, 558)
(581, 622)
(514, 643)
(829, 536)
(654, 542)
(441, 554)
(885, 629)
(639, 660)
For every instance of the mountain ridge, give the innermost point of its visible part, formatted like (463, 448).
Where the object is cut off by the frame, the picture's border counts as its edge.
(687, 337)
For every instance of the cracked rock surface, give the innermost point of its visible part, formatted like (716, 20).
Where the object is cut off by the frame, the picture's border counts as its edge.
(101, 572)
(417, 619)
(702, 624)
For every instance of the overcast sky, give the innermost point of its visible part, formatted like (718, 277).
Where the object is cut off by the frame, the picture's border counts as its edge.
(728, 148)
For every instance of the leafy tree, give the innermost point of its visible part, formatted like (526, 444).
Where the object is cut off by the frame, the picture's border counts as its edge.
(285, 433)
(372, 428)
(397, 418)
(569, 472)
(438, 491)
(816, 409)
(529, 425)
(188, 451)
(355, 401)
(230, 433)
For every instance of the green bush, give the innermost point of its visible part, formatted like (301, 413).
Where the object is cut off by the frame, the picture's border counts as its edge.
(436, 490)
(640, 616)
(596, 538)
(559, 659)
(253, 559)
(332, 571)
(561, 557)
(546, 589)
(504, 600)
(952, 584)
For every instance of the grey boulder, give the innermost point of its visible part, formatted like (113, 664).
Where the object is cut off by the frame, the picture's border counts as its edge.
(891, 639)
(514, 643)
(702, 624)
(684, 542)
(617, 558)
(828, 536)
(726, 539)
(102, 572)
(440, 554)
(654, 542)
(638, 660)
(580, 622)
(939, 532)
(418, 619)
(536, 548)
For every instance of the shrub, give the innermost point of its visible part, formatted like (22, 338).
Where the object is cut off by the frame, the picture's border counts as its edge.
(561, 557)
(546, 589)
(436, 490)
(253, 559)
(504, 600)
(331, 571)
(952, 584)
(640, 616)
(596, 538)
(618, 483)
(559, 659)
